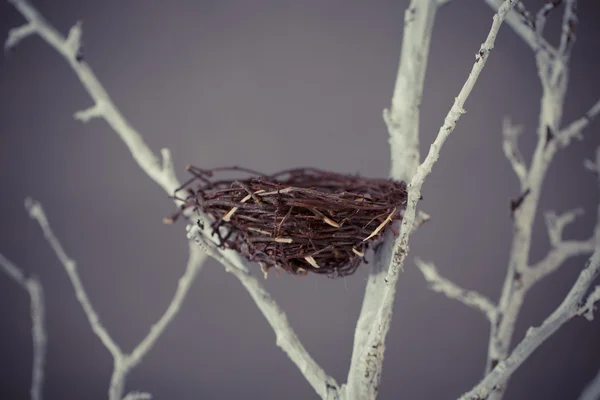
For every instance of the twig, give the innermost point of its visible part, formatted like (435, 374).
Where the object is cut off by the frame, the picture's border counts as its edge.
(123, 362)
(592, 389)
(33, 286)
(137, 396)
(568, 309)
(470, 298)
(372, 353)
(521, 22)
(324, 385)
(553, 72)
(573, 305)
(574, 129)
(510, 146)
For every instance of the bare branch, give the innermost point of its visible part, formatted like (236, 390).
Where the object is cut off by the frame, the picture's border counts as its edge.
(521, 22)
(510, 146)
(123, 362)
(325, 386)
(15, 35)
(103, 106)
(568, 309)
(37, 212)
(38, 322)
(499, 367)
(556, 224)
(368, 372)
(402, 119)
(469, 298)
(567, 37)
(575, 128)
(592, 390)
(195, 261)
(542, 15)
(138, 396)
(555, 258)
(161, 171)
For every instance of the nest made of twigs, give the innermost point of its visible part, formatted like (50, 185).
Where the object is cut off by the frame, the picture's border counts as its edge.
(301, 220)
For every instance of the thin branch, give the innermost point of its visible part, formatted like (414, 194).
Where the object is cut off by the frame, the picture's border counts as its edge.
(470, 298)
(573, 305)
(510, 146)
(123, 362)
(372, 355)
(542, 15)
(521, 22)
(568, 309)
(138, 396)
(567, 37)
(556, 257)
(34, 288)
(324, 385)
(69, 48)
(556, 224)
(195, 261)
(37, 212)
(574, 129)
(592, 389)
(160, 170)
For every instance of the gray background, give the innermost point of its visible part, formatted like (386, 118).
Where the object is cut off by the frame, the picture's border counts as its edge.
(271, 85)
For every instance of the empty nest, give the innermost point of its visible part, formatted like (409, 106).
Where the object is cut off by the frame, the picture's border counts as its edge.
(300, 220)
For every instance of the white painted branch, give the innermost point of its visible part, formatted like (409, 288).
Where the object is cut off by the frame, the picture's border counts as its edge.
(574, 129)
(521, 22)
(592, 389)
(569, 308)
(138, 396)
(369, 365)
(36, 212)
(556, 257)
(34, 288)
(470, 298)
(553, 72)
(161, 172)
(542, 16)
(402, 121)
(567, 37)
(123, 362)
(510, 146)
(103, 107)
(324, 385)
(500, 367)
(556, 224)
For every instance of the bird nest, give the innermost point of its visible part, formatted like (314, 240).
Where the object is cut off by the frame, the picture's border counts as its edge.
(301, 220)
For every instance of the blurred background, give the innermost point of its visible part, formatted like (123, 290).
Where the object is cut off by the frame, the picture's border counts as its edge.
(271, 85)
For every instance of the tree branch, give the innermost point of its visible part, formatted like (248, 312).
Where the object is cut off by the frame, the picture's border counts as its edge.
(573, 305)
(403, 128)
(510, 146)
(33, 286)
(469, 298)
(592, 390)
(521, 22)
(574, 129)
(325, 386)
(370, 361)
(123, 362)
